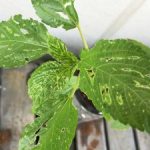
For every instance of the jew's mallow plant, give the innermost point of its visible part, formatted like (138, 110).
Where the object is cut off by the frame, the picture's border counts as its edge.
(114, 74)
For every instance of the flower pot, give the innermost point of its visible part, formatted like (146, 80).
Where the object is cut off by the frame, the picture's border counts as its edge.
(86, 109)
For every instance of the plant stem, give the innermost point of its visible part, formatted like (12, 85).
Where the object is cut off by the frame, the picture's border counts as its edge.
(82, 37)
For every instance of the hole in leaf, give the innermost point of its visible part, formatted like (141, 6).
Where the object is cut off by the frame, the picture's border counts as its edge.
(37, 140)
(63, 129)
(92, 76)
(26, 59)
(37, 137)
(86, 102)
(105, 91)
(91, 73)
(89, 70)
(108, 59)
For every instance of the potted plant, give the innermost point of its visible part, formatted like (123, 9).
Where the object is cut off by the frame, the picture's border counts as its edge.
(114, 75)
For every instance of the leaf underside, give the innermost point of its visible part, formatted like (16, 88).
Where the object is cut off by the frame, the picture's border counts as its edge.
(115, 75)
(57, 13)
(21, 41)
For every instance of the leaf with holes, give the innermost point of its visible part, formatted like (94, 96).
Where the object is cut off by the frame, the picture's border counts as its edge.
(115, 75)
(21, 41)
(57, 13)
(51, 88)
(47, 80)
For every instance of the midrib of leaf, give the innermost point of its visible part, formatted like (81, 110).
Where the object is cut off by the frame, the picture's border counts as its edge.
(92, 54)
(116, 64)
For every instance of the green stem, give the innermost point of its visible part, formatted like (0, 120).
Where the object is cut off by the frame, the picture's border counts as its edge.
(82, 37)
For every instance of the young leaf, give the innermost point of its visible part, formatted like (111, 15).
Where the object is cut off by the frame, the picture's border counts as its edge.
(57, 13)
(51, 88)
(59, 51)
(21, 41)
(116, 76)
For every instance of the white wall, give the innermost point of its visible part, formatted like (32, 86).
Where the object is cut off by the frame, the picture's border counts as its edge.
(99, 19)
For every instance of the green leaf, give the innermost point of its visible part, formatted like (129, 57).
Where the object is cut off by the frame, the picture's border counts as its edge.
(54, 130)
(51, 88)
(115, 124)
(59, 51)
(21, 41)
(57, 13)
(60, 129)
(115, 75)
(48, 81)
